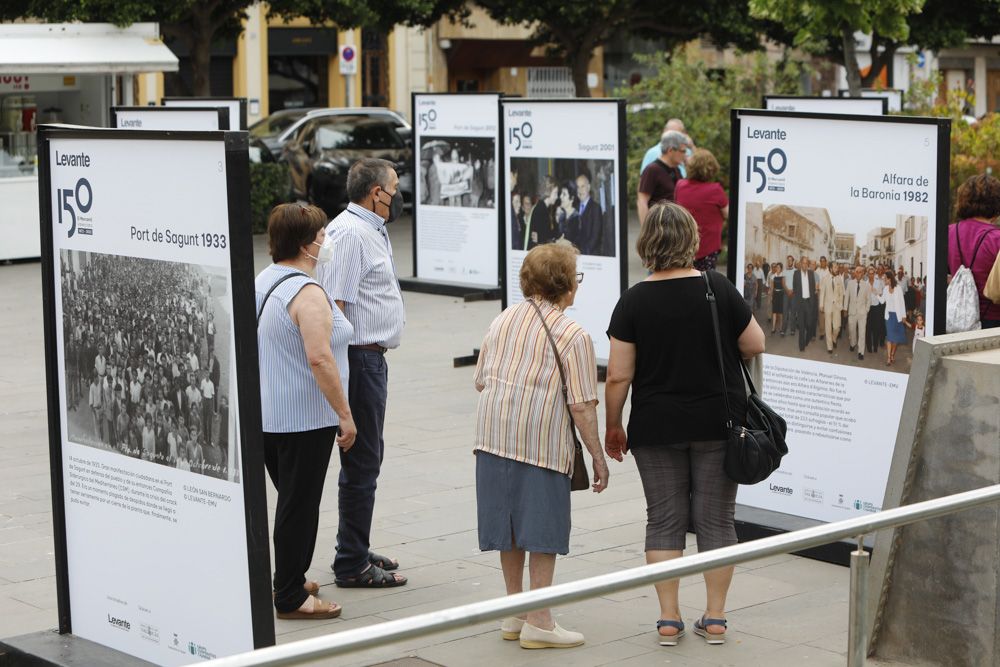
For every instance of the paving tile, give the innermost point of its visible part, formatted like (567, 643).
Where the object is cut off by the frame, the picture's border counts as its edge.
(805, 617)
(796, 656)
(835, 643)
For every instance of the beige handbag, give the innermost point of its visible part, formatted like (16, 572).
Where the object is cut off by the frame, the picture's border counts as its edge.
(992, 288)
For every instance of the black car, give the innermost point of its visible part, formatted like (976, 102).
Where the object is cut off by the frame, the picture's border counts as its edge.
(321, 152)
(273, 130)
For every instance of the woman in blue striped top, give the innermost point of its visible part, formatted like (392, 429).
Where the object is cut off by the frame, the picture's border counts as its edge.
(302, 341)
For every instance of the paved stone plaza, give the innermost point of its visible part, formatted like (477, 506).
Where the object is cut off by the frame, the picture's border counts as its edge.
(783, 610)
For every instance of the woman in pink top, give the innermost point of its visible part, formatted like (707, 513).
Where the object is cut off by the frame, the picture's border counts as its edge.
(705, 199)
(975, 238)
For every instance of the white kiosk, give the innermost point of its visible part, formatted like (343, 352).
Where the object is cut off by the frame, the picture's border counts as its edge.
(70, 73)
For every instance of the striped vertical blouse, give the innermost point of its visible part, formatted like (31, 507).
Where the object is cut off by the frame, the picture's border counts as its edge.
(290, 399)
(522, 413)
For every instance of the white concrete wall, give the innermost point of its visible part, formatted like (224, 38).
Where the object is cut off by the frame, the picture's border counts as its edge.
(256, 78)
(410, 67)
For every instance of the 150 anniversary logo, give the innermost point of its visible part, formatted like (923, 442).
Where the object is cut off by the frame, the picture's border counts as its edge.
(519, 134)
(428, 120)
(74, 203)
(775, 162)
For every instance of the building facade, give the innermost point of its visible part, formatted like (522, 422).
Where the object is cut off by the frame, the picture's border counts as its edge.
(845, 249)
(910, 240)
(879, 246)
(779, 230)
(280, 65)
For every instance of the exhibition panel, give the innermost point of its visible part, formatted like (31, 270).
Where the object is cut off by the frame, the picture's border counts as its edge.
(862, 106)
(564, 181)
(153, 392)
(237, 107)
(840, 328)
(455, 207)
(170, 118)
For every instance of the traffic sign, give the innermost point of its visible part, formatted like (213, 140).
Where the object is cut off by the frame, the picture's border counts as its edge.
(348, 60)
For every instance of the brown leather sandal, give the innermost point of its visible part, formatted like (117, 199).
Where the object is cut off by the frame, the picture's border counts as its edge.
(321, 611)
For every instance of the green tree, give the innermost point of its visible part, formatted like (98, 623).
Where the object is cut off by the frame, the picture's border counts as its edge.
(683, 87)
(198, 23)
(574, 30)
(940, 24)
(828, 27)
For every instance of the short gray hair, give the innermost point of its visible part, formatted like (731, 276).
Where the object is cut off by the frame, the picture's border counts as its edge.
(673, 140)
(365, 174)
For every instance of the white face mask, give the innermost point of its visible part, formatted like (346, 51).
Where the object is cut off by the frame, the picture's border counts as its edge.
(325, 251)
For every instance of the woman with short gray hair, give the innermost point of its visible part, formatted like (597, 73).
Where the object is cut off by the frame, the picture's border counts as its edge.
(663, 347)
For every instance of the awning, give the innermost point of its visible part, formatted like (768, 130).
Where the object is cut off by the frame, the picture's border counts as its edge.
(83, 48)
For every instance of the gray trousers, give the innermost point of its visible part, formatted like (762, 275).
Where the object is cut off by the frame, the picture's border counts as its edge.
(788, 321)
(686, 482)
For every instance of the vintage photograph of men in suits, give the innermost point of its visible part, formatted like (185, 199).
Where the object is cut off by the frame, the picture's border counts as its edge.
(147, 360)
(458, 171)
(559, 199)
(850, 292)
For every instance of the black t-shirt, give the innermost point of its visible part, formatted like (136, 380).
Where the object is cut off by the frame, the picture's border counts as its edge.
(676, 389)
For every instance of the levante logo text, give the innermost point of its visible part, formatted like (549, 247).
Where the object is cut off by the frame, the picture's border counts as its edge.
(80, 159)
(119, 623)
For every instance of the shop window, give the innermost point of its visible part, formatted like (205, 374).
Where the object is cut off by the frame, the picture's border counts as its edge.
(295, 82)
(374, 69)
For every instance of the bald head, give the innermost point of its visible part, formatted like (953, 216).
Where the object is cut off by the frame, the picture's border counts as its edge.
(674, 125)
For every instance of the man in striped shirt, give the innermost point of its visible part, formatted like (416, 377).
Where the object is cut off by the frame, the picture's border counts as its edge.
(361, 278)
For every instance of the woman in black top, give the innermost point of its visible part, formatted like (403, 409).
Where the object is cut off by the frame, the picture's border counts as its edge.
(663, 347)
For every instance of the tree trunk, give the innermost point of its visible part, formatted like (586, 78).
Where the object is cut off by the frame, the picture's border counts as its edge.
(201, 49)
(579, 63)
(879, 62)
(851, 62)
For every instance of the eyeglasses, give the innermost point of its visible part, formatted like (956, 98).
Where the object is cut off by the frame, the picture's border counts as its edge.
(579, 277)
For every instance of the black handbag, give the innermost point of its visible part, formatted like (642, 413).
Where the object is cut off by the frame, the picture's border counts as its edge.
(753, 451)
(580, 481)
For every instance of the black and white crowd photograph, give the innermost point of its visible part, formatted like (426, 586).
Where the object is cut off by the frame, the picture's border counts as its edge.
(852, 294)
(143, 375)
(562, 199)
(458, 171)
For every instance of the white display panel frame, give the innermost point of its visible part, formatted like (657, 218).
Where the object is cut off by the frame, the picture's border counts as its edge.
(146, 547)
(861, 106)
(564, 138)
(170, 118)
(843, 413)
(455, 237)
(893, 96)
(237, 107)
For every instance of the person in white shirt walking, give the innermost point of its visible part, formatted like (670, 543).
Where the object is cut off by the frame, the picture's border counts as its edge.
(858, 301)
(831, 302)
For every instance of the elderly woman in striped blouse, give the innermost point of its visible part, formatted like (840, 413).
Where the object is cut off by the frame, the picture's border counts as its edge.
(524, 447)
(302, 342)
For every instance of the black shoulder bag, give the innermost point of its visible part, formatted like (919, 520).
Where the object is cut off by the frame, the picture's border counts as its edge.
(753, 451)
(580, 481)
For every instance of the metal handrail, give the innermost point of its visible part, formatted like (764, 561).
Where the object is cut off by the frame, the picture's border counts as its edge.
(478, 612)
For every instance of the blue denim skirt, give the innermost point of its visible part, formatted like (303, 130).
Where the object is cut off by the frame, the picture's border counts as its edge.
(523, 501)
